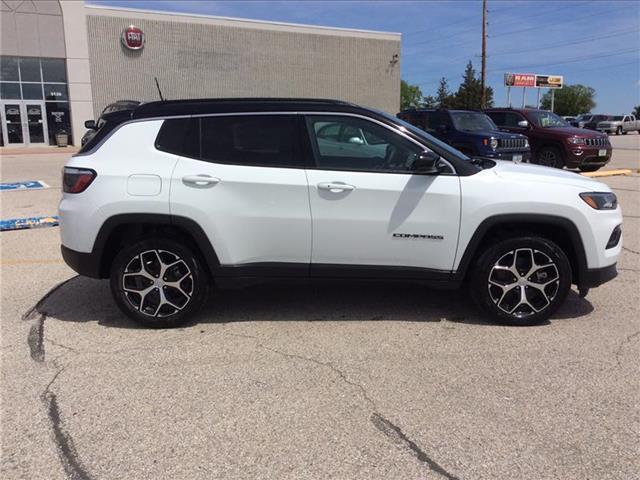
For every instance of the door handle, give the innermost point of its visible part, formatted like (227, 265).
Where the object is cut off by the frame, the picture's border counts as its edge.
(200, 181)
(336, 187)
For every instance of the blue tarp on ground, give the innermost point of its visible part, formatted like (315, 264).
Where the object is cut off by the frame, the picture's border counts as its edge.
(30, 222)
(26, 185)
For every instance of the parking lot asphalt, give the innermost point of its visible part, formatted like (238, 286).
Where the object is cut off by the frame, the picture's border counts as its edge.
(347, 381)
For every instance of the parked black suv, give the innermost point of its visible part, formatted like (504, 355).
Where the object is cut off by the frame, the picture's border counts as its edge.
(115, 107)
(472, 133)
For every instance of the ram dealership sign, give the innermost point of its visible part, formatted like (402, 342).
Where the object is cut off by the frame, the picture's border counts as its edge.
(532, 80)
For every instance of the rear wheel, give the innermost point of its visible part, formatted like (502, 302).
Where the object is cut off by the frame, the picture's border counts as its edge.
(158, 282)
(550, 157)
(521, 281)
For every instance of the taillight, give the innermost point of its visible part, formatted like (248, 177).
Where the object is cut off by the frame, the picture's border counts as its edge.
(76, 180)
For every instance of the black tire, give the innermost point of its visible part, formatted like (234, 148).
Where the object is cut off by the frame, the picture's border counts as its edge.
(504, 303)
(589, 168)
(184, 293)
(550, 157)
(618, 130)
(624, 132)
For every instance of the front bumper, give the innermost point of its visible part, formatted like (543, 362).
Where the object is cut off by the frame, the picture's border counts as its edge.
(595, 277)
(578, 155)
(525, 155)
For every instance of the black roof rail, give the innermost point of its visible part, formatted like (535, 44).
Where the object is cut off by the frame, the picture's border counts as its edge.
(199, 106)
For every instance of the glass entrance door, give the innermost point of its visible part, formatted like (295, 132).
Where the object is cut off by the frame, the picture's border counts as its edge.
(12, 124)
(36, 122)
(24, 123)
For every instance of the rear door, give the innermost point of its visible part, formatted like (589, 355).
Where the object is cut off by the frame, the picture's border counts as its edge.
(369, 210)
(244, 183)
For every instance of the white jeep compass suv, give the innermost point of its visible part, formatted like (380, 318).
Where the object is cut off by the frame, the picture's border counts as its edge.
(183, 195)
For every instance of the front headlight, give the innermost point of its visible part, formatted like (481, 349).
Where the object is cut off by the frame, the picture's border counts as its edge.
(493, 143)
(600, 200)
(576, 140)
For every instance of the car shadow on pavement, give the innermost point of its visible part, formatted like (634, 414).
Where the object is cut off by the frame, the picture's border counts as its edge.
(83, 299)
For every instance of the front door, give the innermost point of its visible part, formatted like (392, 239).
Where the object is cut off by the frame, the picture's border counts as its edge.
(24, 123)
(368, 209)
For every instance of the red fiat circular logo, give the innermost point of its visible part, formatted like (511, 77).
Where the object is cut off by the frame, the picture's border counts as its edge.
(133, 38)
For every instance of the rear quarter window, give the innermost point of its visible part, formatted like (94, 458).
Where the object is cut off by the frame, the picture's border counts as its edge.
(180, 136)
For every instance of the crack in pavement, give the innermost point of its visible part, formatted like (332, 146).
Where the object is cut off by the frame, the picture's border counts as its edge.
(63, 442)
(622, 344)
(396, 434)
(635, 252)
(35, 339)
(390, 430)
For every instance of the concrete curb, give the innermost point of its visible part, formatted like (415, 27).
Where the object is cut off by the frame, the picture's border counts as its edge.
(608, 173)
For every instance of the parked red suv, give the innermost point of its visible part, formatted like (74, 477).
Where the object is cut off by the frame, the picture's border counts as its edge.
(553, 141)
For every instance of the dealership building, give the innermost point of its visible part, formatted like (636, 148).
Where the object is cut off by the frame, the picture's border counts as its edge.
(63, 62)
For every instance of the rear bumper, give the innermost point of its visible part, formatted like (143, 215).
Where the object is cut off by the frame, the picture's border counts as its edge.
(87, 264)
(595, 277)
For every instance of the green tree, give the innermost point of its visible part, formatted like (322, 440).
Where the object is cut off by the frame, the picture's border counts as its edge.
(636, 111)
(429, 102)
(571, 100)
(410, 96)
(444, 99)
(469, 95)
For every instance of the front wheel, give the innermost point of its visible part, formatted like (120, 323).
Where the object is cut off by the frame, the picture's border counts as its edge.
(550, 157)
(521, 281)
(618, 130)
(158, 282)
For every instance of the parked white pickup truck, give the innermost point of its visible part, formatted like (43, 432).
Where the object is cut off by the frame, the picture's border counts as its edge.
(620, 124)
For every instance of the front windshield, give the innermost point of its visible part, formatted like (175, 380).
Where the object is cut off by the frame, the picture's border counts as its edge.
(437, 145)
(584, 118)
(547, 119)
(472, 122)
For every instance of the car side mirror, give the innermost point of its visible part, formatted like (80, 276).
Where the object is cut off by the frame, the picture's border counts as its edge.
(426, 163)
(523, 124)
(90, 124)
(356, 141)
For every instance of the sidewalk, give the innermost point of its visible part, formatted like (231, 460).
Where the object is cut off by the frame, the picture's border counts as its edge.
(37, 150)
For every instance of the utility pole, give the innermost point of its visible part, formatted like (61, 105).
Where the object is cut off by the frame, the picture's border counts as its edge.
(483, 75)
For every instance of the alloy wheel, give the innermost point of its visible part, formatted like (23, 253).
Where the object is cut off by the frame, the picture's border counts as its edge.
(523, 282)
(157, 283)
(548, 158)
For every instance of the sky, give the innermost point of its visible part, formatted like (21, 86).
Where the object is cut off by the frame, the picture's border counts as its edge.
(594, 43)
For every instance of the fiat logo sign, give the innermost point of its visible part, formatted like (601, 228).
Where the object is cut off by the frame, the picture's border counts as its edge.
(133, 38)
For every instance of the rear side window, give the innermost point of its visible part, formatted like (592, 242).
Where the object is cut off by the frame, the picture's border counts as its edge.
(180, 136)
(257, 140)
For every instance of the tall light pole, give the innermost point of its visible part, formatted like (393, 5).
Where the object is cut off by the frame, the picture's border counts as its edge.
(483, 75)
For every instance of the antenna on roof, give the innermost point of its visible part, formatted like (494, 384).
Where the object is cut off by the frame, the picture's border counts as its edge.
(158, 87)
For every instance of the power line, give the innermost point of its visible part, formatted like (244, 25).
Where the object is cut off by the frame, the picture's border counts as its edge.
(572, 60)
(562, 22)
(564, 44)
(540, 14)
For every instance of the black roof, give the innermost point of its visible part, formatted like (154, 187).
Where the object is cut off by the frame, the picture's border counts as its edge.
(202, 106)
(451, 110)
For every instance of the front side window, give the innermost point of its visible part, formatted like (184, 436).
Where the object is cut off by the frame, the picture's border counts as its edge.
(511, 119)
(257, 140)
(361, 145)
(547, 119)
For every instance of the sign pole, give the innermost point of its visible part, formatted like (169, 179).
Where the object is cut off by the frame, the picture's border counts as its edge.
(524, 94)
(538, 100)
(509, 97)
(553, 91)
